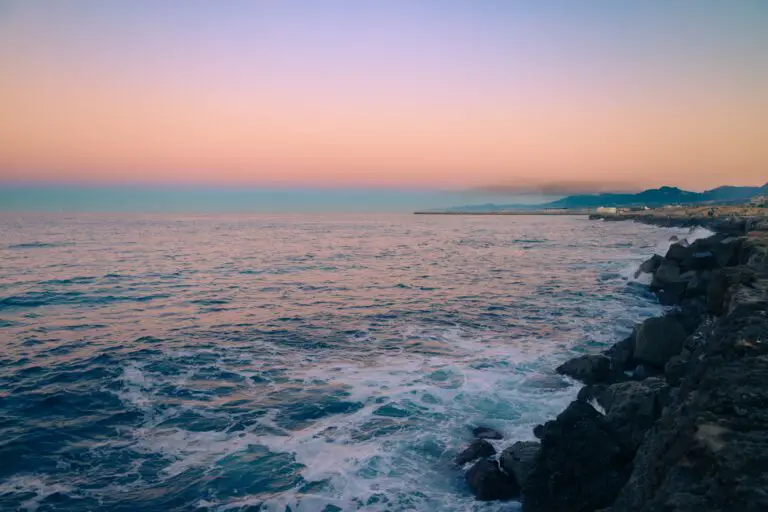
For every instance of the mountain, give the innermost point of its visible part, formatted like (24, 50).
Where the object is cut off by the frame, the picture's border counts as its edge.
(652, 198)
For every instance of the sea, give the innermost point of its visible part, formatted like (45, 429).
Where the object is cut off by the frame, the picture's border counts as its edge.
(257, 362)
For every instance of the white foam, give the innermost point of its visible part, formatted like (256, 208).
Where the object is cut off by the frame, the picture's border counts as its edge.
(35, 484)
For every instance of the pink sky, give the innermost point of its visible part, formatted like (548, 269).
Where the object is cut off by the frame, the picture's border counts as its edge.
(443, 95)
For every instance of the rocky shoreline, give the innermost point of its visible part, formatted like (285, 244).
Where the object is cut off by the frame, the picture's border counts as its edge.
(674, 417)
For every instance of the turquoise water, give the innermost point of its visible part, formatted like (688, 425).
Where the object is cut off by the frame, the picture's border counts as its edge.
(278, 362)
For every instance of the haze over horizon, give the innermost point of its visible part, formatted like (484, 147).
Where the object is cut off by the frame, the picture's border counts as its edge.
(490, 98)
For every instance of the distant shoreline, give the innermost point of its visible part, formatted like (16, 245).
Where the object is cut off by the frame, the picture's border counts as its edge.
(531, 212)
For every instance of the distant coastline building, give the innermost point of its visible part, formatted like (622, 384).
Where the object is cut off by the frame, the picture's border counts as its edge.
(607, 209)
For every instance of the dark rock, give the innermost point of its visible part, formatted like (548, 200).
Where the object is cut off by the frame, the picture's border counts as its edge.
(581, 465)
(642, 371)
(592, 392)
(518, 459)
(632, 407)
(650, 265)
(678, 252)
(658, 339)
(590, 368)
(477, 449)
(691, 313)
(674, 370)
(486, 433)
(709, 450)
(538, 431)
(672, 293)
(668, 272)
(488, 482)
(697, 283)
(620, 354)
(718, 292)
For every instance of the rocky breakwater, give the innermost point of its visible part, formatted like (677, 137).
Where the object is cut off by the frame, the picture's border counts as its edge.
(674, 417)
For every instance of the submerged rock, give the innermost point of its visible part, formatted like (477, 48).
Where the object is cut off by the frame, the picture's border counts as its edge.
(518, 459)
(488, 482)
(589, 369)
(477, 449)
(486, 433)
(658, 339)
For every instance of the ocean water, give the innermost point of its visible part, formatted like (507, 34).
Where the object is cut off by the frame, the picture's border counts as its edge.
(302, 363)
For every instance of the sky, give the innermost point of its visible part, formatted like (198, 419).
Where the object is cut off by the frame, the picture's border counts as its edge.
(418, 95)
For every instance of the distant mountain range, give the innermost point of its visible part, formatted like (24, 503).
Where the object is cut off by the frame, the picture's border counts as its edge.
(652, 198)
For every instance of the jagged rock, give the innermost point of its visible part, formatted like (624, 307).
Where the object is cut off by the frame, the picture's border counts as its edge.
(620, 354)
(722, 281)
(581, 465)
(674, 370)
(486, 433)
(588, 368)
(477, 449)
(488, 482)
(650, 265)
(658, 339)
(668, 272)
(678, 252)
(632, 407)
(518, 459)
(709, 450)
(697, 283)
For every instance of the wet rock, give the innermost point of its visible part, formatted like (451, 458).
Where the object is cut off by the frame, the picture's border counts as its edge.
(477, 449)
(667, 273)
(718, 292)
(621, 353)
(547, 382)
(518, 459)
(486, 433)
(589, 369)
(658, 339)
(643, 371)
(538, 431)
(581, 465)
(650, 265)
(488, 482)
(678, 252)
(697, 283)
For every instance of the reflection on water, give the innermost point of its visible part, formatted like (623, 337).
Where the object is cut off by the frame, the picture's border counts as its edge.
(264, 362)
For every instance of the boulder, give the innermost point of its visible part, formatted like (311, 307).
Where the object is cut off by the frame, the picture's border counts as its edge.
(581, 465)
(488, 482)
(668, 272)
(718, 292)
(658, 339)
(518, 459)
(632, 407)
(477, 449)
(650, 265)
(589, 369)
(678, 252)
(620, 354)
(697, 283)
(486, 433)
(674, 370)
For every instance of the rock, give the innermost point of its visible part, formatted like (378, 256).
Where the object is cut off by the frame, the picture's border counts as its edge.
(538, 431)
(658, 339)
(672, 293)
(674, 370)
(620, 354)
(709, 449)
(678, 252)
(486, 433)
(581, 465)
(668, 272)
(518, 459)
(697, 283)
(488, 482)
(592, 392)
(546, 382)
(718, 292)
(642, 371)
(650, 265)
(632, 407)
(589, 369)
(692, 312)
(477, 449)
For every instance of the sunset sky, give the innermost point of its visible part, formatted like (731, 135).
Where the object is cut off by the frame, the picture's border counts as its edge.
(399, 93)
